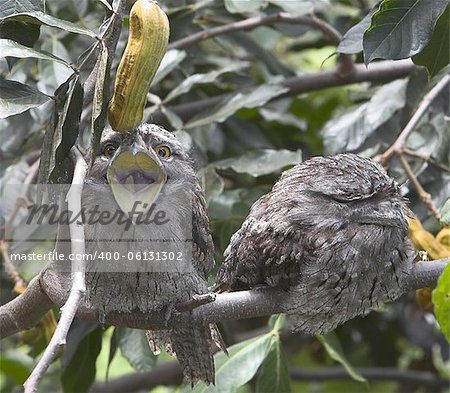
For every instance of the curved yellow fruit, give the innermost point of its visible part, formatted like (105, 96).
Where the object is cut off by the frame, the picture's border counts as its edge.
(147, 44)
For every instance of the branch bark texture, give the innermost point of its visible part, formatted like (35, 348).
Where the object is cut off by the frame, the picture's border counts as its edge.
(382, 71)
(227, 306)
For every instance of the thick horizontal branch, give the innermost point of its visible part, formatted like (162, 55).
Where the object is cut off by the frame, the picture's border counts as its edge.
(165, 374)
(381, 71)
(26, 310)
(423, 378)
(227, 306)
(170, 374)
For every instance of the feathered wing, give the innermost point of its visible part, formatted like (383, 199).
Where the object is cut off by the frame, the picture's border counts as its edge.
(193, 344)
(332, 231)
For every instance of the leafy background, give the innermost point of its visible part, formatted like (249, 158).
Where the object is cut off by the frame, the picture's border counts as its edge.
(230, 99)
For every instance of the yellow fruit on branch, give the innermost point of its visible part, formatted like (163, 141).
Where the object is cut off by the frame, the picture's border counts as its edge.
(147, 44)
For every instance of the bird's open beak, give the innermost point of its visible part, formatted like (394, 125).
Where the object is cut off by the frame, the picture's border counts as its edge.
(136, 177)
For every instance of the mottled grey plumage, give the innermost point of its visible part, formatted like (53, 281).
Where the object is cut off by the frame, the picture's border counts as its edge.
(157, 290)
(333, 232)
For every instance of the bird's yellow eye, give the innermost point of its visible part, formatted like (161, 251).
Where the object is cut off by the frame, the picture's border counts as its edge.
(109, 149)
(163, 151)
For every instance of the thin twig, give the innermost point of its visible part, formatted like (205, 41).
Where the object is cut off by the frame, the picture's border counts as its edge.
(251, 23)
(78, 282)
(407, 151)
(398, 146)
(424, 196)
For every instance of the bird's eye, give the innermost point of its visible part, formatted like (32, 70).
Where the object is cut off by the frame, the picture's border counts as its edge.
(109, 149)
(163, 151)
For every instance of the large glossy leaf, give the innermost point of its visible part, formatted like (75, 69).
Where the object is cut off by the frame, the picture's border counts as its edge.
(40, 18)
(8, 7)
(240, 366)
(441, 301)
(80, 373)
(261, 162)
(394, 32)
(53, 73)
(62, 132)
(300, 7)
(196, 79)
(99, 102)
(134, 347)
(16, 97)
(244, 6)
(256, 97)
(352, 42)
(436, 55)
(445, 213)
(24, 33)
(334, 349)
(349, 131)
(274, 376)
(169, 62)
(13, 49)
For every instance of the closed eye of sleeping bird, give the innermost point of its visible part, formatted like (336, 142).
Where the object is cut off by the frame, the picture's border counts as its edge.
(149, 165)
(333, 233)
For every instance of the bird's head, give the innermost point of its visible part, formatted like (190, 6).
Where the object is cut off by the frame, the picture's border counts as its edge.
(138, 165)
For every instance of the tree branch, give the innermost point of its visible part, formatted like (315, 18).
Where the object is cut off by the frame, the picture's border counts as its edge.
(165, 374)
(251, 23)
(227, 306)
(424, 378)
(399, 145)
(26, 310)
(381, 71)
(170, 374)
(78, 287)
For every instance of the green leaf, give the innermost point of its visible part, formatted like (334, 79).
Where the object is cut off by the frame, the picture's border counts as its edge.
(435, 56)
(13, 49)
(40, 18)
(441, 301)
(242, 364)
(170, 61)
(100, 100)
(394, 33)
(334, 349)
(283, 118)
(300, 7)
(277, 322)
(274, 376)
(62, 132)
(196, 79)
(134, 347)
(24, 33)
(256, 97)
(79, 375)
(53, 73)
(445, 213)
(16, 97)
(8, 7)
(15, 365)
(260, 162)
(349, 131)
(244, 6)
(352, 42)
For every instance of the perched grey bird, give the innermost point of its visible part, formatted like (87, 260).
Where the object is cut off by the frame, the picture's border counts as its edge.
(333, 233)
(149, 166)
